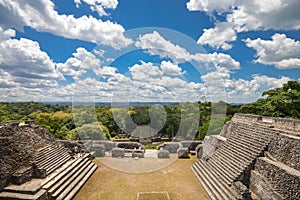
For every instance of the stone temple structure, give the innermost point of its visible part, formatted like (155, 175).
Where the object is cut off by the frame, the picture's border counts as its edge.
(254, 157)
(33, 165)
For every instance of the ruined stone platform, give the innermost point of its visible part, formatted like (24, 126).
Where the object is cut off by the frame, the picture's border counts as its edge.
(37, 167)
(254, 157)
(63, 183)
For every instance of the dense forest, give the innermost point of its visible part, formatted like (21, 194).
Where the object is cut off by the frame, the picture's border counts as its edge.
(278, 102)
(100, 122)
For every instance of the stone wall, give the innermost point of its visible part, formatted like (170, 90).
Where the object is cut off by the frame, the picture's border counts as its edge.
(191, 144)
(109, 145)
(22, 175)
(276, 122)
(210, 144)
(18, 144)
(69, 144)
(282, 179)
(286, 149)
(260, 186)
(226, 131)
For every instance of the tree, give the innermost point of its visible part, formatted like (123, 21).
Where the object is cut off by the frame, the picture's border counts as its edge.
(93, 132)
(278, 102)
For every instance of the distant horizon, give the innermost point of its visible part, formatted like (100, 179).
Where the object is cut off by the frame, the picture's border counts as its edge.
(106, 103)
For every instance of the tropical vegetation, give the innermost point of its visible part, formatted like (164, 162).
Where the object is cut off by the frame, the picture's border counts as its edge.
(184, 120)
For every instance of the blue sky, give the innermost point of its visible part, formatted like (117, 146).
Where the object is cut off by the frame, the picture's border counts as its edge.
(142, 50)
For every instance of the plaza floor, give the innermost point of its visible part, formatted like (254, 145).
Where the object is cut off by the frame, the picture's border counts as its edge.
(173, 176)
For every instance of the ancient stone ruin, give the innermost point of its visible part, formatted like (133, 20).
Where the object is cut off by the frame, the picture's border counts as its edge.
(33, 165)
(254, 157)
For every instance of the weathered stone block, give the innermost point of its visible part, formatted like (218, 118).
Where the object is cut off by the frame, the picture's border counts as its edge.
(109, 145)
(117, 152)
(99, 150)
(183, 152)
(40, 173)
(138, 154)
(163, 153)
(170, 146)
(130, 145)
(191, 144)
(22, 175)
(210, 144)
(199, 151)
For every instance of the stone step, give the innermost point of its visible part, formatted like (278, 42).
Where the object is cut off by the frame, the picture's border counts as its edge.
(41, 155)
(225, 176)
(34, 185)
(247, 139)
(232, 152)
(52, 157)
(241, 148)
(245, 147)
(50, 160)
(58, 185)
(64, 183)
(54, 154)
(236, 154)
(251, 142)
(40, 195)
(215, 186)
(60, 175)
(42, 149)
(68, 185)
(241, 153)
(55, 166)
(249, 134)
(223, 187)
(206, 184)
(261, 126)
(81, 183)
(234, 159)
(253, 135)
(226, 162)
(257, 131)
(70, 191)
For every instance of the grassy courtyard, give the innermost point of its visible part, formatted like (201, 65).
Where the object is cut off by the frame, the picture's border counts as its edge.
(176, 179)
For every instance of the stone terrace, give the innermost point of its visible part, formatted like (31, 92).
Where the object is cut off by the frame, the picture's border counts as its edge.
(257, 158)
(47, 170)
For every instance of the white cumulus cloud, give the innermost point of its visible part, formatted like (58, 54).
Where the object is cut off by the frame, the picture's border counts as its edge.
(280, 51)
(219, 36)
(27, 64)
(243, 16)
(155, 44)
(78, 65)
(145, 71)
(220, 85)
(99, 5)
(42, 16)
(209, 5)
(171, 69)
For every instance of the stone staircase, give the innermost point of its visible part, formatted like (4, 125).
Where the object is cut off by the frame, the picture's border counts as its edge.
(50, 158)
(65, 177)
(231, 161)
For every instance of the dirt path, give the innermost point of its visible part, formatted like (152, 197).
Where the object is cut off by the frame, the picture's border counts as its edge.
(177, 179)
